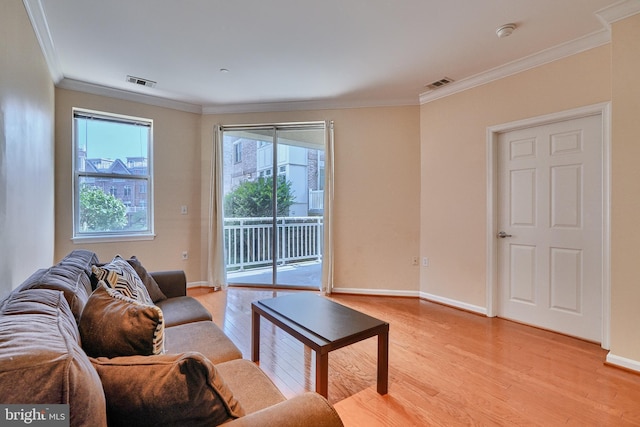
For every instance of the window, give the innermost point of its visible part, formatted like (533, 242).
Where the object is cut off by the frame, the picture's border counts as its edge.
(321, 171)
(237, 156)
(112, 155)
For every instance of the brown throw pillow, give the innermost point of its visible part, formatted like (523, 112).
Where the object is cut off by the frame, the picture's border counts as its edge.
(171, 389)
(113, 325)
(152, 286)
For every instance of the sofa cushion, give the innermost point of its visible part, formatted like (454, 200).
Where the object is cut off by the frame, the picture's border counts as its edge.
(169, 390)
(41, 361)
(147, 280)
(185, 309)
(71, 275)
(250, 385)
(121, 276)
(114, 325)
(216, 347)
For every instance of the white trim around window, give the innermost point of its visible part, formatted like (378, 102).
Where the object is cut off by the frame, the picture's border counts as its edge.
(112, 153)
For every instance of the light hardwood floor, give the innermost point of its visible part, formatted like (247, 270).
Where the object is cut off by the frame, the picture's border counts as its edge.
(447, 367)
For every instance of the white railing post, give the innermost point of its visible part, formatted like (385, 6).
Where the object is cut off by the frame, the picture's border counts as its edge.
(319, 237)
(241, 247)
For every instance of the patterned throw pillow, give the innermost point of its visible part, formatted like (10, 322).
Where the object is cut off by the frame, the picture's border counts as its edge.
(114, 325)
(121, 276)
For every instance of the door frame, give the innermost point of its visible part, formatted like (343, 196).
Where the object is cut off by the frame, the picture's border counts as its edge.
(604, 111)
(276, 128)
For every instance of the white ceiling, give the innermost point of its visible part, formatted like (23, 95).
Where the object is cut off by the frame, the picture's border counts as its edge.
(320, 54)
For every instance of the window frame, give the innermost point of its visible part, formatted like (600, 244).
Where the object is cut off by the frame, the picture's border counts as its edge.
(147, 179)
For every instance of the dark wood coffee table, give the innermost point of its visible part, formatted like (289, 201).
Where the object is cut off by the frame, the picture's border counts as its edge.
(324, 326)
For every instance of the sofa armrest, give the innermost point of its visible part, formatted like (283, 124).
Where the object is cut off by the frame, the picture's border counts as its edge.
(309, 409)
(172, 283)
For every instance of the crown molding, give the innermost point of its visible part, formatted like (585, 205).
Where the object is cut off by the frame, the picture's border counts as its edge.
(608, 15)
(546, 56)
(330, 104)
(621, 10)
(41, 29)
(157, 101)
(126, 95)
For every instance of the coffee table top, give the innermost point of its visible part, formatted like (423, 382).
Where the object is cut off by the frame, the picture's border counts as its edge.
(325, 318)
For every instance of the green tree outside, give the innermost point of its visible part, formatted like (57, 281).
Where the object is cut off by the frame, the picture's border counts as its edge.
(253, 199)
(100, 211)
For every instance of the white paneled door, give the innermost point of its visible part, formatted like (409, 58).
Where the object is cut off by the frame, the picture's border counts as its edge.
(550, 226)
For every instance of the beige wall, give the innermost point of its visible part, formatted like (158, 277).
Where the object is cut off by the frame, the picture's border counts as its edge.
(453, 162)
(625, 207)
(26, 150)
(376, 197)
(453, 167)
(176, 152)
(377, 190)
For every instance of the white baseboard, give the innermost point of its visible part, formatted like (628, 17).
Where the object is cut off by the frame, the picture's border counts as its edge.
(201, 284)
(379, 292)
(623, 362)
(454, 303)
(414, 294)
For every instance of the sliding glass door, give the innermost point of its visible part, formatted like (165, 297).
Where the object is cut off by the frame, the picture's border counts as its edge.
(273, 204)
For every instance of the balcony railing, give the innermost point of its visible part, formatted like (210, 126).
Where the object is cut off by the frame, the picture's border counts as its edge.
(249, 241)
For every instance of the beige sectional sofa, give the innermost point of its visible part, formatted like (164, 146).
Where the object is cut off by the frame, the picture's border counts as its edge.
(71, 336)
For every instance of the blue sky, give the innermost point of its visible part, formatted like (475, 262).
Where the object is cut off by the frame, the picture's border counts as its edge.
(112, 140)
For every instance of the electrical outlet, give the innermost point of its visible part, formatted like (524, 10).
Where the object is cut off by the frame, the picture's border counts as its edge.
(183, 209)
(414, 260)
(185, 255)
(425, 261)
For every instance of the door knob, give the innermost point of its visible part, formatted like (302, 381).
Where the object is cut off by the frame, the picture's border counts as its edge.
(502, 235)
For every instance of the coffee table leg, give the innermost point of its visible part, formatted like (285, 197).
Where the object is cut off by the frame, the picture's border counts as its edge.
(255, 336)
(383, 362)
(322, 373)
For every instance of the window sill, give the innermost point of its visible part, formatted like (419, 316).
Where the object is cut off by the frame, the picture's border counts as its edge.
(114, 238)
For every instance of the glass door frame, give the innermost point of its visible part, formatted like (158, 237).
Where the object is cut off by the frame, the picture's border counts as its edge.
(275, 129)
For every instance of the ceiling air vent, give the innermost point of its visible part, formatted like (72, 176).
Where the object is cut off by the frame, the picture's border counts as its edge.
(141, 81)
(439, 83)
